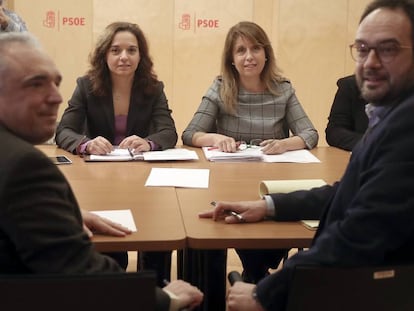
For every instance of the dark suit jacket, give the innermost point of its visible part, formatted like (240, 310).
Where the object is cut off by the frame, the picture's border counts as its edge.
(369, 214)
(347, 119)
(88, 116)
(40, 222)
(41, 227)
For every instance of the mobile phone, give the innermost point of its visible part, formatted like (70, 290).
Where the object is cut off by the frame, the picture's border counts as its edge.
(61, 159)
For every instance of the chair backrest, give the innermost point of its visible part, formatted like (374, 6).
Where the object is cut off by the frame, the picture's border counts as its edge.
(103, 292)
(357, 289)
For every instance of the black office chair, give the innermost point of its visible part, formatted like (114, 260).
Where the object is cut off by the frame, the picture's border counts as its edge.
(316, 288)
(357, 289)
(103, 292)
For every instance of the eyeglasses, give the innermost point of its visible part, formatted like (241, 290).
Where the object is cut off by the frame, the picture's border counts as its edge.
(385, 51)
(254, 143)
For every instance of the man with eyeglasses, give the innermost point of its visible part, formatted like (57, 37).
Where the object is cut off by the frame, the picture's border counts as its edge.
(367, 217)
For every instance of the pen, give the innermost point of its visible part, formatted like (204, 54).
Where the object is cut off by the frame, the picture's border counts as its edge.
(131, 152)
(238, 143)
(229, 212)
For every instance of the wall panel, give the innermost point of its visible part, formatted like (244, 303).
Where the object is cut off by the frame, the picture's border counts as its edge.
(186, 37)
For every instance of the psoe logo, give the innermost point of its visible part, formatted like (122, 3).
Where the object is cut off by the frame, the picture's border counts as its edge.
(53, 20)
(185, 22)
(198, 23)
(50, 20)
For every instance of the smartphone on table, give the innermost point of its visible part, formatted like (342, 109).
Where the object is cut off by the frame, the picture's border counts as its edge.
(60, 159)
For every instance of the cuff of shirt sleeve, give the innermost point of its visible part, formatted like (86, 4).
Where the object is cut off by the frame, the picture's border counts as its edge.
(270, 206)
(82, 148)
(153, 145)
(174, 301)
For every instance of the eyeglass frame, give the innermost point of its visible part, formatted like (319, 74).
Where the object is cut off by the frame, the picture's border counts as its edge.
(379, 54)
(253, 143)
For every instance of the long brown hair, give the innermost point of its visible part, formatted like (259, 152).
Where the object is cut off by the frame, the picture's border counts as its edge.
(145, 78)
(230, 76)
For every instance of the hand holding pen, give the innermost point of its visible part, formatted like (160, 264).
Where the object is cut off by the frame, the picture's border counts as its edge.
(224, 144)
(237, 212)
(229, 215)
(239, 217)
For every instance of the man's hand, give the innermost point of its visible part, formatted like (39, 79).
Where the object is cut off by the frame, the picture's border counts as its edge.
(250, 211)
(240, 298)
(184, 295)
(135, 143)
(99, 145)
(94, 223)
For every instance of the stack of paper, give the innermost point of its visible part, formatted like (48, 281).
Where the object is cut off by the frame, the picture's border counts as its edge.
(311, 224)
(285, 186)
(249, 154)
(256, 154)
(119, 154)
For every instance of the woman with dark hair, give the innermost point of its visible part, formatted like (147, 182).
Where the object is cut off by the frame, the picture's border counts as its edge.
(120, 102)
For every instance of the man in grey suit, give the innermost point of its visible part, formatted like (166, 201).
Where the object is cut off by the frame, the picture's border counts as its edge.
(41, 225)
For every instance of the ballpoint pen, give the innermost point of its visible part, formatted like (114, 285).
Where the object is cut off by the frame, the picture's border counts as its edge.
(238, 143)
(212, 148)
(131, 152)
(230, 212)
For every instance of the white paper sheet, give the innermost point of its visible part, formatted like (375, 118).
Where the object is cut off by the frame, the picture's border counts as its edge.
(177, 177)
(294, 156)
(123, 217)
(175, 154)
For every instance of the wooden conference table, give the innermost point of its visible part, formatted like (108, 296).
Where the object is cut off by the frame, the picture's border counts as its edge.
(115, 186)
(167, 217)
(204, 259)
(240, 181)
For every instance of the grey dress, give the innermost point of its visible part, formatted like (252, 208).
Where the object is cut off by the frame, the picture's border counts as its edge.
(258, 116)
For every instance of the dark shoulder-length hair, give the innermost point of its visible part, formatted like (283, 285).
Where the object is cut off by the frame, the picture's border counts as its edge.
(145, 77)
(270, 74)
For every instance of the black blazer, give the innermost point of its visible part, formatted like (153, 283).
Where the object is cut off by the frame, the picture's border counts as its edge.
(88, 116)
(369, 214)
(347, 119)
